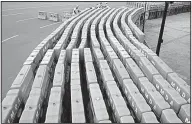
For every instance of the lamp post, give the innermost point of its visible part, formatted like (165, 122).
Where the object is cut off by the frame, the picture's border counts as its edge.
(144, 18)
(160, 40)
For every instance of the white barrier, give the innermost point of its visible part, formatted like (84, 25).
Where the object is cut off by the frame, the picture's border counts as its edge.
(66, 15)
(42, 15)
(54, 17)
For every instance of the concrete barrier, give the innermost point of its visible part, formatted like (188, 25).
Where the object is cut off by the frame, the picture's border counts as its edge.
(94, 41)
(137, 32)
(90, 73)
(84, 39)
(68, 26)
(164, 70)
(179, 85)
(54, 109)
(77, 107)
(37, 97)
(106, 74)
(169, 94)
(169, 113)
(59, 76)
(97, 104)
(152, 96)
(23, 82)
(87, 55)
(149, 117)
(135, 99)
(78, 28)
(11, 105)
(114, 61)
(184, 113)
(155, 9)
(116, 101)
(32, 108)
(33, 59)
(134, 71)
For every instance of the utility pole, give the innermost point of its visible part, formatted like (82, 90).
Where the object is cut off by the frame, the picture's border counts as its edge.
(144, 18)
(160, 40)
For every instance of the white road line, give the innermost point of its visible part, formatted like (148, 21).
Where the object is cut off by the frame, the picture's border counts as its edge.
(9, 38)
(26, 19)
(13, 14)
(50, 25)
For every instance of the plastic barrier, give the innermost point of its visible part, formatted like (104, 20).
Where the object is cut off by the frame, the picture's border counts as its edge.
(42, 15)
(66, 15)
(53, 17)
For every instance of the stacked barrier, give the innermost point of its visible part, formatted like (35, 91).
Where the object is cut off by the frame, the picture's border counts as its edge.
(166, 69)
(23, 82)
(94, 68)
(63, 41)
(131, 22)
(42, 15)
(75, 39)
(55, 106)
(156, 9)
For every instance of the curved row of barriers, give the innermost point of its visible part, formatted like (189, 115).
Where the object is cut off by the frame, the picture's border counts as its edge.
(155, 9)
(95, 68)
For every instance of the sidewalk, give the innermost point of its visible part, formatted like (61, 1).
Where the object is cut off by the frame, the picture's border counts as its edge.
(175, 49)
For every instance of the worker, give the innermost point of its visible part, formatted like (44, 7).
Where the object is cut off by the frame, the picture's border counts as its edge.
(106, 5)
(100, 5)
(76, 10)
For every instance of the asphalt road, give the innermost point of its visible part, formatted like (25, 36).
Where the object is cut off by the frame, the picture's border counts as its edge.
(22, 32)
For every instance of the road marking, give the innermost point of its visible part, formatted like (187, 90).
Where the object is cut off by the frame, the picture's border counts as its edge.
(30, 8)
(26, 19)
(13, 14)
(10, 38)
(50, 25)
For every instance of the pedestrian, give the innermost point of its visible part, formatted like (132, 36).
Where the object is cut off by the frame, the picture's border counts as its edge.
(76, 10)
(106, 5)
(100, 5)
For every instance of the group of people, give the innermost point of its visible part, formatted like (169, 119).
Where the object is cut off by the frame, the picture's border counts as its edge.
(102, 5)
(76, 10)
(99, 5)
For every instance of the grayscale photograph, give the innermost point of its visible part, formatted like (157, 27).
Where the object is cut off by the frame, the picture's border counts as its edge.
(95, 61)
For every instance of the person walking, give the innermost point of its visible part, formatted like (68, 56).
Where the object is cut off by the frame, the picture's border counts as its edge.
(76, 10)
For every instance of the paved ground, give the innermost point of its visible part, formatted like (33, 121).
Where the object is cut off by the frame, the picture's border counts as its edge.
(22, 32)
(175, 49)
